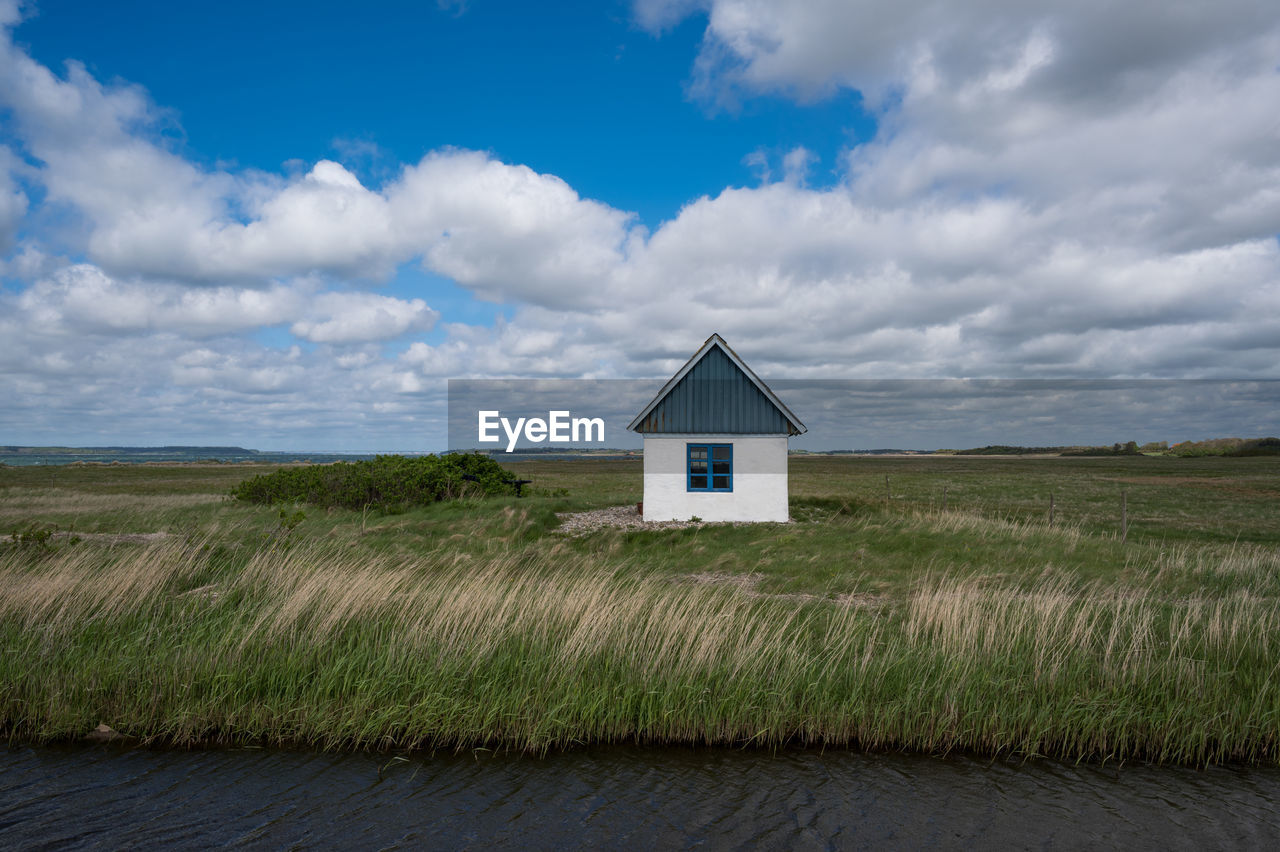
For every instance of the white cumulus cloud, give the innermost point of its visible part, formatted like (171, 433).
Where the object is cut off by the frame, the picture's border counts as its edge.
(362, 317)
(1083, 190)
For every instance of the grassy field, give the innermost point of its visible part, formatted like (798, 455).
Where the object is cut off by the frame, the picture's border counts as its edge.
(876, 620)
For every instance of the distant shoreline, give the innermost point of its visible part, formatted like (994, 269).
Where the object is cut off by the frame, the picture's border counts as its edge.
(61, 456)
(23, 456)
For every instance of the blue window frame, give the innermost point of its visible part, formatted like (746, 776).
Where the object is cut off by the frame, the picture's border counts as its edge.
(709, 467)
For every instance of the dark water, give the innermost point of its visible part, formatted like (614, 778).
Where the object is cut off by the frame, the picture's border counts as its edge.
(103, 797)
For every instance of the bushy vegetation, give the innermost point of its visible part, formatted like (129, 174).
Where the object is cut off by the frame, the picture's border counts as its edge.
(385, 482)
(1258, 447)
(33, 535)
(1129, 448)
(1232, 447)
(1236, 447)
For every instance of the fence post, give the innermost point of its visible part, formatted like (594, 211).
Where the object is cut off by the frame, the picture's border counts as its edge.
(1124, 516)
(1050, 508)
(887, 496)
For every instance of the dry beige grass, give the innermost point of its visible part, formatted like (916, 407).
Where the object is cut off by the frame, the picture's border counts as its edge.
(78, 585)
(315, 640)
(974, 524)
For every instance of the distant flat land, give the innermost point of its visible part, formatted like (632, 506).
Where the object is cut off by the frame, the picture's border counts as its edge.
(15, 455)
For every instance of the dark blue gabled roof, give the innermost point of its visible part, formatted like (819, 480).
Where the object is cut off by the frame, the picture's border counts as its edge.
(716, 393)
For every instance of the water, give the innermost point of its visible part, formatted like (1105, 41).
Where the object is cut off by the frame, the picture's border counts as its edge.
(105, 797)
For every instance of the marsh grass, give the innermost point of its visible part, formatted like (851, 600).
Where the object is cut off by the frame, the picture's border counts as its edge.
(313, 645)
(1192, 499)
(473, 623)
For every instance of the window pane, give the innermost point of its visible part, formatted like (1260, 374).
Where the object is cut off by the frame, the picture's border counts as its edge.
(698, 482)
(697, 467)
(697, 452)
(724, 467)
(722, 452)
(720, 482)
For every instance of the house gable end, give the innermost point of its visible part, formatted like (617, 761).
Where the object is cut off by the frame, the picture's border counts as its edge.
(715, 393)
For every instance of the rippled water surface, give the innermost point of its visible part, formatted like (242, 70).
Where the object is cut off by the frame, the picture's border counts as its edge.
(69, 797)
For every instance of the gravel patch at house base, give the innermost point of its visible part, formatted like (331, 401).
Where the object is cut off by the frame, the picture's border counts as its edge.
(615, 517)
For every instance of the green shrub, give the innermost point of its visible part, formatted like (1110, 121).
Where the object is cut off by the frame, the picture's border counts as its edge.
(385, 482)
(1227, 447)
(33, 535)
(1258, 447)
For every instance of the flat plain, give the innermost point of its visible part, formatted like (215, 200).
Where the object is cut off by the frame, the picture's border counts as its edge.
(920, 603)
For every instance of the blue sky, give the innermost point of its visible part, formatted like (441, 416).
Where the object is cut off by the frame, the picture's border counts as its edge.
(578, 90)
(287, 225)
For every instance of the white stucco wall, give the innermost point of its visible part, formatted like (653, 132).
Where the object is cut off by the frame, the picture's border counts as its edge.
(759, 480)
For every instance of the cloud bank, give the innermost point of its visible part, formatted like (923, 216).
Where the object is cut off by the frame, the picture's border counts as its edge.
(1058, 192)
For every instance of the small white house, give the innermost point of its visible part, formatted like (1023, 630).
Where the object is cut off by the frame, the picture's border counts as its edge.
(715, 443)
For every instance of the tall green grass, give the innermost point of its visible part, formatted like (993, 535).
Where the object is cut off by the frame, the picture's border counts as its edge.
(323, 644)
